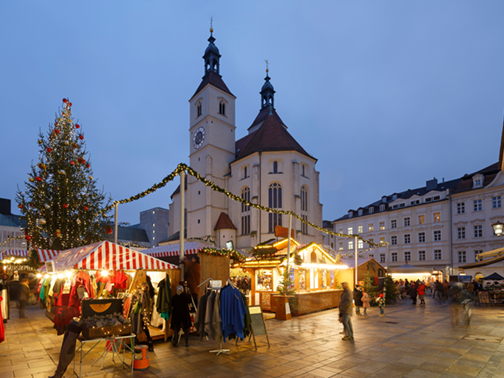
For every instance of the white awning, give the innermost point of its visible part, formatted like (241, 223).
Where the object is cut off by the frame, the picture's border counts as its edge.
(492, 253)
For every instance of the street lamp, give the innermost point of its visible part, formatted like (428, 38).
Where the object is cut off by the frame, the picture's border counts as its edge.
(498, 228)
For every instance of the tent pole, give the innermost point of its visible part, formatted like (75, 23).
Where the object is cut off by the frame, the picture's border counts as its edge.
(182, 221)
(356, 259)
(289, 244)
(116, 226)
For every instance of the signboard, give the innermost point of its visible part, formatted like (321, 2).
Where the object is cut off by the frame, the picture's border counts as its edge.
(257, 323)
(50, 267)
(483, 297)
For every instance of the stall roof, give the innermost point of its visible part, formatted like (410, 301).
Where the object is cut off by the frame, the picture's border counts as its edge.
(478, 264)
(493, 252)
(494, 277)
(351, 262)
(14, 252)
(47, 254)
(190, 248)
(107, 255)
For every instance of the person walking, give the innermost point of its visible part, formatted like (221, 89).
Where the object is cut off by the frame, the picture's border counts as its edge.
(24, 294)
(345, 309)
(365, 302)
(381, 304)
(421, 293)
(357, 296)
(413, 293)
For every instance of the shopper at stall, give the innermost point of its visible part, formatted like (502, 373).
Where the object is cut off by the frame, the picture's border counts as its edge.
(421, 292)
(357, 296)
(365, 302)
(345, 309)
(413, 293)
(381, 304)
(180, 316)
(24, 294)
(192, 274)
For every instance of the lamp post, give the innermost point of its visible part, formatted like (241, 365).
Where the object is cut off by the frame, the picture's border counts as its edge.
(498, 228)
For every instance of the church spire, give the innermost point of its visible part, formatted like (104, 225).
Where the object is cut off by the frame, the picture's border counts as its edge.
(212, 55)
(267, 91)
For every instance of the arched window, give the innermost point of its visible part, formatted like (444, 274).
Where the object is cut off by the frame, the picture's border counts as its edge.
(245, 212)
(274, 202)
(222, 108)
(245, 172)
(304, 209)
(198, 109)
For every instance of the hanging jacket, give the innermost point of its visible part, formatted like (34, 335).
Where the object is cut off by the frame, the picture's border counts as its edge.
(163, 304)
(232, 311)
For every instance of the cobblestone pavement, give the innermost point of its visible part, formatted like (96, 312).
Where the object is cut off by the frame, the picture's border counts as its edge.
(410, 341)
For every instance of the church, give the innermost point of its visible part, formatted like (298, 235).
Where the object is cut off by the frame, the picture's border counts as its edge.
(267, 166)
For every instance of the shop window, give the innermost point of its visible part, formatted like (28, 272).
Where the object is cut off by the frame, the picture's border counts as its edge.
(264, 279)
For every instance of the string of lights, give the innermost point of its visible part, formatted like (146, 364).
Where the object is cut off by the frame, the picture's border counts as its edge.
(11, 238)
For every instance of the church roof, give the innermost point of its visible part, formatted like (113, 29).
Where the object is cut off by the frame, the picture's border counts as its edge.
(272, 135)
(215, 80)
(224, 223)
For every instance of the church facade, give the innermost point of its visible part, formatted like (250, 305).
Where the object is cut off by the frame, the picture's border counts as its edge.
(267, 166)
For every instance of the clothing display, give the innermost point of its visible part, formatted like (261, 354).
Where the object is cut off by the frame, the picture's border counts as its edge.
(2, 329)
(163, 303)
(232, 312)
(5, 304)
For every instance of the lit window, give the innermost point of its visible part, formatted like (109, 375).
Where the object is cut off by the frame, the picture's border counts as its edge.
(496, 202)
(461, 208)
(421, 237)
(437, 235)
(461, 257)
(350, 230)
(478, 205)
(370, 227)
(393, 223)
(153, 212)
(350, 244)
(461, 233)
(421, 255)
(394, 256)
(360, 244)
(437, 254)
(407, 256)
(153, 224)
(393, 240)
(382, 226)
(153, 231)
(478, 231)
(360, 229)
(340, 246)
(407, 222)
(421, 219)
(382, 240)
(437, 217)
(153, 238)
(407, 239)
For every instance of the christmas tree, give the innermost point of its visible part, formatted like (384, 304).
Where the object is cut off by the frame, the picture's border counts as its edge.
(61, 204)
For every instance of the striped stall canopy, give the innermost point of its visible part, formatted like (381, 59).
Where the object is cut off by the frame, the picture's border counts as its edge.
(14, 252)
(107, 255)
(191, 248)
(46, 254)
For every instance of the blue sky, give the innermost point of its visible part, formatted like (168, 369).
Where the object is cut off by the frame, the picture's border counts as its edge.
(386, 95)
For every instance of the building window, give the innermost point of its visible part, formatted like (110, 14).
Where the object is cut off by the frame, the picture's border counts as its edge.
(245, 172)
(222, 108)
(350, 244)
(476, 253)
(360, 244)
(394, 256)
(461, 257)
(370, 227)
(382, 207)
(371, 256)
(153, 224)
(274, 202)
(304, 209)
(350, 230)
(407, 256)
(460, 232)
(393, 240)
(421, 255)
(360, 229)
(437, 235)
(382, 226)
(198, 109)
(437, 217)
(393, 223)
(407, 239)
(340, 246)
(421, 219)
(275, 166)
(153, 231)
(496, 202)
(382, 240)
(371, 240)
(478, 231)
(437, 254)
(245, 212)
(407, 222)
(478, 205)
(371, 210)
(382, 257)
(461, 208)
(421, 237)
(153, 238)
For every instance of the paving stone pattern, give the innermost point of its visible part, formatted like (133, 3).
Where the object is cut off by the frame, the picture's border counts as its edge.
(410, 341)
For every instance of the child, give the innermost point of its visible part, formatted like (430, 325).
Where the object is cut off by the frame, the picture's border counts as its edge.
(365, 302)
(381, 304)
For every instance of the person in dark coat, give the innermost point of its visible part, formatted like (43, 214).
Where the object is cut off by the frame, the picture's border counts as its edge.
(24, 294)
(357, 296)
(180, 316)
(413, 293)
(345, 310)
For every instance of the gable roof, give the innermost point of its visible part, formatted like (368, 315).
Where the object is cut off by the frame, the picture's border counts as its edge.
(215, 80)
(224, 223)
(466, 182)
(272, 135)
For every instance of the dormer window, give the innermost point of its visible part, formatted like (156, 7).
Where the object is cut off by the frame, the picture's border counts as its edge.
(360, 211)
(478, 180)
(350, 214)
(198, 109)
(371, 210)
(382, 207)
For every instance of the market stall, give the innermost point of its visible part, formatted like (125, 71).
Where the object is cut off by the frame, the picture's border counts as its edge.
(101, 271)
(365, 267)
(315, 273)
(413, 273)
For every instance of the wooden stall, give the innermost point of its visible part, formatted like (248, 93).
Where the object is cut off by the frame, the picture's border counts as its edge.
(365, 266)
(315, 273)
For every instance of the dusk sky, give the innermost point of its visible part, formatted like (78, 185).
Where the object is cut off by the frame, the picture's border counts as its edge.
(385, 94)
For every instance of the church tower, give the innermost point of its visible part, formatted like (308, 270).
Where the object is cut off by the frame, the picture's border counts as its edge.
(212, 145)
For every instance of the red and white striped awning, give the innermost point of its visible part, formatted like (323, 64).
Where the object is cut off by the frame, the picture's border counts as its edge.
(14, 252)
(46, 254)
(191, 248)
(107, 255)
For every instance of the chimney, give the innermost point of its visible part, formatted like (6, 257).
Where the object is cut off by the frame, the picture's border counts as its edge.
(5, 206)
(431, 184)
